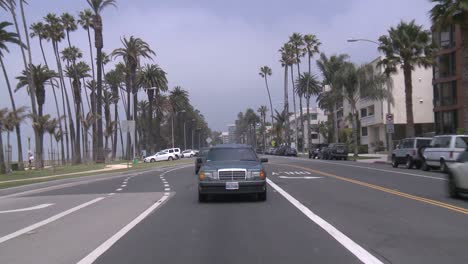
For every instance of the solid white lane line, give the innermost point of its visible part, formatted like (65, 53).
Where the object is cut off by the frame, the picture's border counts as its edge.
(27, 209)
(345, 241)
(91, 257)
(119, 189)
(48, 220)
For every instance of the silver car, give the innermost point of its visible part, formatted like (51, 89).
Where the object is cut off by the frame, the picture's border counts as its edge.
(458, 176)
(444, 150)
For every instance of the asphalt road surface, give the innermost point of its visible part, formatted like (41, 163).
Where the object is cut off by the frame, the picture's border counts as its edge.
(316, 212)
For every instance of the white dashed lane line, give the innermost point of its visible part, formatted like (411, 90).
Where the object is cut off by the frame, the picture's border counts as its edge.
(119, 189)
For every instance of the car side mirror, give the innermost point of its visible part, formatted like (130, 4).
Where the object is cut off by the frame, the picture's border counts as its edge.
(199, 160)
(263, 160)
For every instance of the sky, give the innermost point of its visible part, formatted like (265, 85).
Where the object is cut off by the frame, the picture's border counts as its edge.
(214, 49)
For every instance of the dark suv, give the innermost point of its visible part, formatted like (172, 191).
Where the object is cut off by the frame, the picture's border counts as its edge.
(337, 151)
(314, 150)
(232, 169)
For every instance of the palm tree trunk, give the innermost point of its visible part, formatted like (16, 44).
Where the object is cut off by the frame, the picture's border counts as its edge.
(99, 44)
(51, 148)
(114, 142)
(150, 120)
(300, 109)
(2, 157)
(121, 138)
(18, 126)
(91, 54)
(269, 97)
(354, 126)
(135, 111)
(409, 101)
(295, 111)
(309, 139)
(77, 158)
(287, 138)
(129, 139)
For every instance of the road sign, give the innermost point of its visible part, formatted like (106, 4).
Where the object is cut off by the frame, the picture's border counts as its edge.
(389, 118)
(390, 128)
(209, 140)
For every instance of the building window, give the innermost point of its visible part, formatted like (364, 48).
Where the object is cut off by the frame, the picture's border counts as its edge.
(444, 39)
(313, 116)
(445, 66)
(370, 110)
(446, 122)
(363, 112)
(364, 131)
(339, 114)
(445, 94)
(314, 136)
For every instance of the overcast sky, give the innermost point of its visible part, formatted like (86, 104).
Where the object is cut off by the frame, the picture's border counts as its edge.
(214, 49)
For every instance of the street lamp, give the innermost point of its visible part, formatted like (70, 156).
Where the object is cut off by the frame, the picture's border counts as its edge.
(389, 110)
(193, 120)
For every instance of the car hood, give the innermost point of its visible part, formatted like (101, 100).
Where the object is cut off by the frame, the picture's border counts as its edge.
(216, 165)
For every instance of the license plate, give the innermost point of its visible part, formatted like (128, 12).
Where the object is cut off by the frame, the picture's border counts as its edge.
(232, 186)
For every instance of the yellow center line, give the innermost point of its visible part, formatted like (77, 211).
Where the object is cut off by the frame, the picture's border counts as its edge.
(383, 189)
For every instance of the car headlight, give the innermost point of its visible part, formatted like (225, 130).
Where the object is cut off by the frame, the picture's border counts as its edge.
(256, 174)
(207, 175)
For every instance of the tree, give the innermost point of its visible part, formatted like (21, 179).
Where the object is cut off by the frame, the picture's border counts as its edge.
(87, 122)
(86, 20)
(360, 82)
(407, 45)
(13, 119)
(76, 72)
(39, 124)
(152, 79)
(108, 99)
(329, 67)
(114, 80)
(97, 6)
(263, 110)
(51, 129)
(179, 102)
(6, 38)
(265, 71)
(287, 59)
(3, 120)
(281, 119)
(133, 49)
(306, 86)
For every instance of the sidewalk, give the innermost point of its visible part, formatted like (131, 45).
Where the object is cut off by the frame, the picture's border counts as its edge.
(109, 167)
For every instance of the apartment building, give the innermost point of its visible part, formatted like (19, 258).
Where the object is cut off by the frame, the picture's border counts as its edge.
(316, 116)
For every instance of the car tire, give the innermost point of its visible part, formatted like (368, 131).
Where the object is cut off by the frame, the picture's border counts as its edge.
(191, 155)
(202, 197)
(452, 187)
(424, 166)
(409, 163)
(152, 160)
(394, 162)
(262, 196)
(170, 158)
(443, 166)
(345, 158)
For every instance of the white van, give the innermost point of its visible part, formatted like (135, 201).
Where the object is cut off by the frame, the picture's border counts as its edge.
(176, 152)
(443, 150)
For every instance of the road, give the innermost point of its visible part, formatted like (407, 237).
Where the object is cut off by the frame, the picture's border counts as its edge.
(316, 212)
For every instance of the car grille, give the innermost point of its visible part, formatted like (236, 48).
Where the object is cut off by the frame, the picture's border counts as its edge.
(229, 175)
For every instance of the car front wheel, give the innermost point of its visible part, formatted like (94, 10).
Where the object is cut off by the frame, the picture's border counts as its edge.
(202, 197)
(170, 158)
(152, 160)
(394, 162)
(409, 163)
(262, 196)
(424, 166)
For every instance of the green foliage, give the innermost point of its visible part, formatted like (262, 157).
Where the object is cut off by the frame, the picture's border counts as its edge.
(346, 135)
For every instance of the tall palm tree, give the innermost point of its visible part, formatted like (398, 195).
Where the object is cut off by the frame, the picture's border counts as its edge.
(7, 37)
(262, 110)
(87, 123)
(55, 34)
(154, 78)
(312, 45)
(108, 99)
(13, 119)
(114, 80)
(39, 124)
(265, 71)
(306, 86)
(280, 127)
(297, 41)
(356, 82)
(133, 50)
(178, 101)
(329, 66)
(97, 6)
(3, 120)
(287, 59)
(51, 129)
(407, 45)
(76, 72)
(86, 20)
(69, 24)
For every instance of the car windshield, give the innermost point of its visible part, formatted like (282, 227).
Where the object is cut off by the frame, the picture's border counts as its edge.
(242, 154)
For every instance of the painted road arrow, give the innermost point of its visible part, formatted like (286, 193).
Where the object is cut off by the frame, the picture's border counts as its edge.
(299, 177)
(37, 207)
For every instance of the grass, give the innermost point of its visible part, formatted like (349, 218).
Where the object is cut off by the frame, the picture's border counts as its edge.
(82, 169)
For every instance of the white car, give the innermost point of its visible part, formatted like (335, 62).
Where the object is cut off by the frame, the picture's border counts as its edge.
(175, 151)
(160, 156)
(188, 153)
(458, 176)
(444, 150)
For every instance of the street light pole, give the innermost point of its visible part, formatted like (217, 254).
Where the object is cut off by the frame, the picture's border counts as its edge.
(185, 138)
(172, 130)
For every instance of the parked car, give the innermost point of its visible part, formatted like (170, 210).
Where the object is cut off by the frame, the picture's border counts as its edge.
(176, 152)
(200, 159)
(323, 153)
(407, 152)
(188, 153)
(232, 169)
(160, 156)
(314, 150)
(288, 151)
(280, 150)
(458, 175)
(443, 150)
(337, 151)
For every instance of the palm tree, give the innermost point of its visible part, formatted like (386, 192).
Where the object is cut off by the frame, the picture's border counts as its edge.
(133, 50)
(7, 37)
(312, 47)
(178, 101)
(280, 127)
(97, 6)
(154, 78)
(306, 86)
(265, 71)
(355, 82)
(55, 33)
(69, 24)
(287, 59)
(76, 72)
(86, 20)
(108, 99)
(114, 80)
(13, 119)
(297, 41)
(263, 110)
(329, 67)
(51, 129)
(3, 120)
(39, 124)
(408, 45)
(87, 122)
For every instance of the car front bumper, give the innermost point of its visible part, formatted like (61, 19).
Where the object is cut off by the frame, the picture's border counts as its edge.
(219, 187)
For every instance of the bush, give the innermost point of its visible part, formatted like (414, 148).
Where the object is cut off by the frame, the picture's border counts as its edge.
(362, 149)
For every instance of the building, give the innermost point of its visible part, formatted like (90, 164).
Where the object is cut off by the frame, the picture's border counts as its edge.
(232, 133)
(317, 115)
(449, 102)
(225, 137)
(372, 113)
